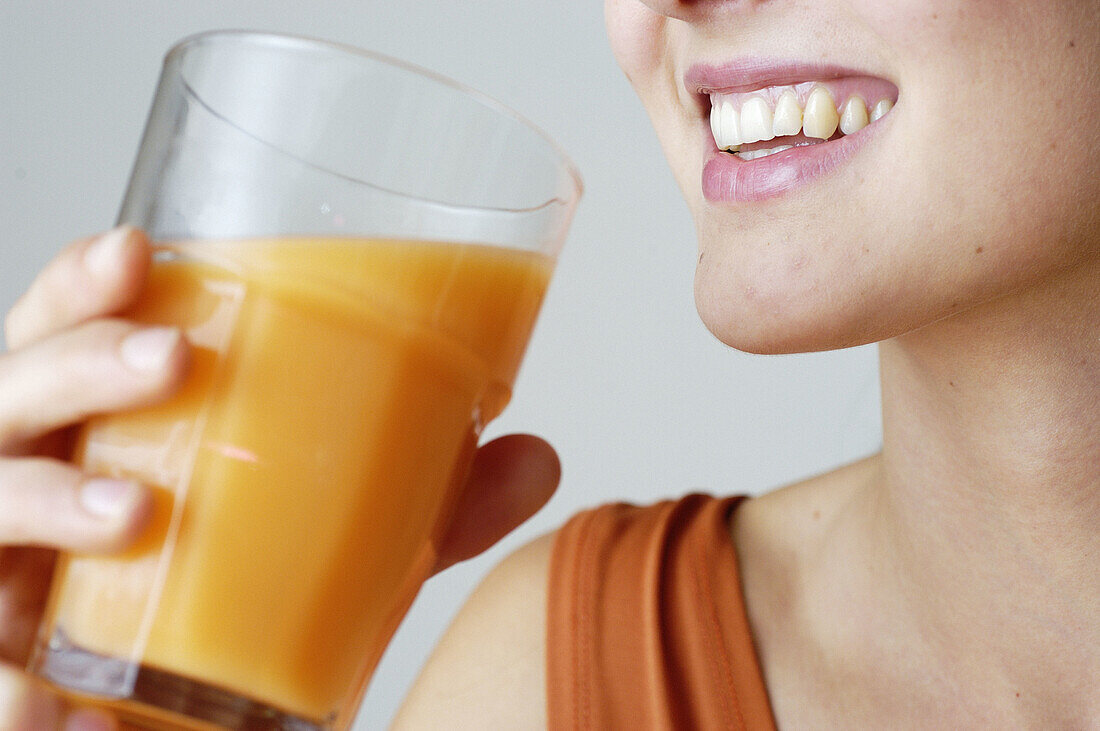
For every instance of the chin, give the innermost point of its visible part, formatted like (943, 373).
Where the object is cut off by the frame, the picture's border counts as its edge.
(779, 339)
(777, 319)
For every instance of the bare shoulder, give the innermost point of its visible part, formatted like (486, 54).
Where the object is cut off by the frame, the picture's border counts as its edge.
(489, 670)
(788, 519)
(784, 536)
(787, 549)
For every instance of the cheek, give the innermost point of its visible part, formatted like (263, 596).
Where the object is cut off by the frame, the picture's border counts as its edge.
(636, 36)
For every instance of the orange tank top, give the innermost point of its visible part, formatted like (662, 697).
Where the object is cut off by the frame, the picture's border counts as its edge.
(646, 624)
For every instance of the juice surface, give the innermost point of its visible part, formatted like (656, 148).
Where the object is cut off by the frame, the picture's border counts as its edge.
(308, 463)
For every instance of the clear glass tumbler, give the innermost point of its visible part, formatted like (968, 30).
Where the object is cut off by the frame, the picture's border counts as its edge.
(356, 250)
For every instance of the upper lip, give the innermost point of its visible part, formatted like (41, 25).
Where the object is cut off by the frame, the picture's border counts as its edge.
(749, 74)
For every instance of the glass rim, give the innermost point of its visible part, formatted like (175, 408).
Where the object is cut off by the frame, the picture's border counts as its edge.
(289, 40)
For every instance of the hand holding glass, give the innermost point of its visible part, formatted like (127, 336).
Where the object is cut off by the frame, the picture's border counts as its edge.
(357, 251)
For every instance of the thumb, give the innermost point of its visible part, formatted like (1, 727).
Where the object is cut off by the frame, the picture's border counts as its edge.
(511, 479)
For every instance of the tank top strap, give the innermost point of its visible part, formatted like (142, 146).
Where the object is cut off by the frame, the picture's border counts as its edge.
(647, 627)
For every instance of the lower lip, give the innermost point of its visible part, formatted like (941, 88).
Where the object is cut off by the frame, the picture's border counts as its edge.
(729, 179)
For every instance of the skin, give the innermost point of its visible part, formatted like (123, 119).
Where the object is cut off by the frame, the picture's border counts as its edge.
(65, 341)
(949, 581)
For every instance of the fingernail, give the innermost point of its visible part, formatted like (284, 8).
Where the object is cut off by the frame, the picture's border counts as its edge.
(85, 720)
(105, 498)
(149, 349)
(102, 256)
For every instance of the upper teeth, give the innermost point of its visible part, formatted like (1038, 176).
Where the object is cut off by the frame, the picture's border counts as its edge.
(817, 117)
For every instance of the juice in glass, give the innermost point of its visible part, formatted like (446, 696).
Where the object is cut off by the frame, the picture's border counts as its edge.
(333, 381)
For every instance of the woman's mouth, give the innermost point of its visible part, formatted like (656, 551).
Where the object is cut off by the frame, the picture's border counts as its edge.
(769, 138)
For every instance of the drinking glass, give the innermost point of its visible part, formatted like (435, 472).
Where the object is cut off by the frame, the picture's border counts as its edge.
(356, 250)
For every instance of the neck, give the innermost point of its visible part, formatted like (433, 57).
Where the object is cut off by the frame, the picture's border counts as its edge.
(990, 478)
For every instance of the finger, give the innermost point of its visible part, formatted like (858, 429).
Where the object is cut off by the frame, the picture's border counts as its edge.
(511, 479)
(91, 278)
(24, 585)
(48, 503)
(90, 719)
(100, 366)
(26, 704)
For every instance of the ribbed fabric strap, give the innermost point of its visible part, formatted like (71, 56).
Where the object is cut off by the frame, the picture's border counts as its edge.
(646, 622)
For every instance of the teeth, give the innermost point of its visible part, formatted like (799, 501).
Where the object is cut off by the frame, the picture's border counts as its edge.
(724, 125)
(880, 110)
(820, 119)
(756, 121)
(754, 154)
(854, 116)
(788, 116)
(730, 127)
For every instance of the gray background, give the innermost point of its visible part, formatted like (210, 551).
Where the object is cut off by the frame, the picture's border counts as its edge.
(640, 401)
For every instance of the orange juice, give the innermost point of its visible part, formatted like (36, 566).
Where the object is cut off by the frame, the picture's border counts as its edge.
(306, 468)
